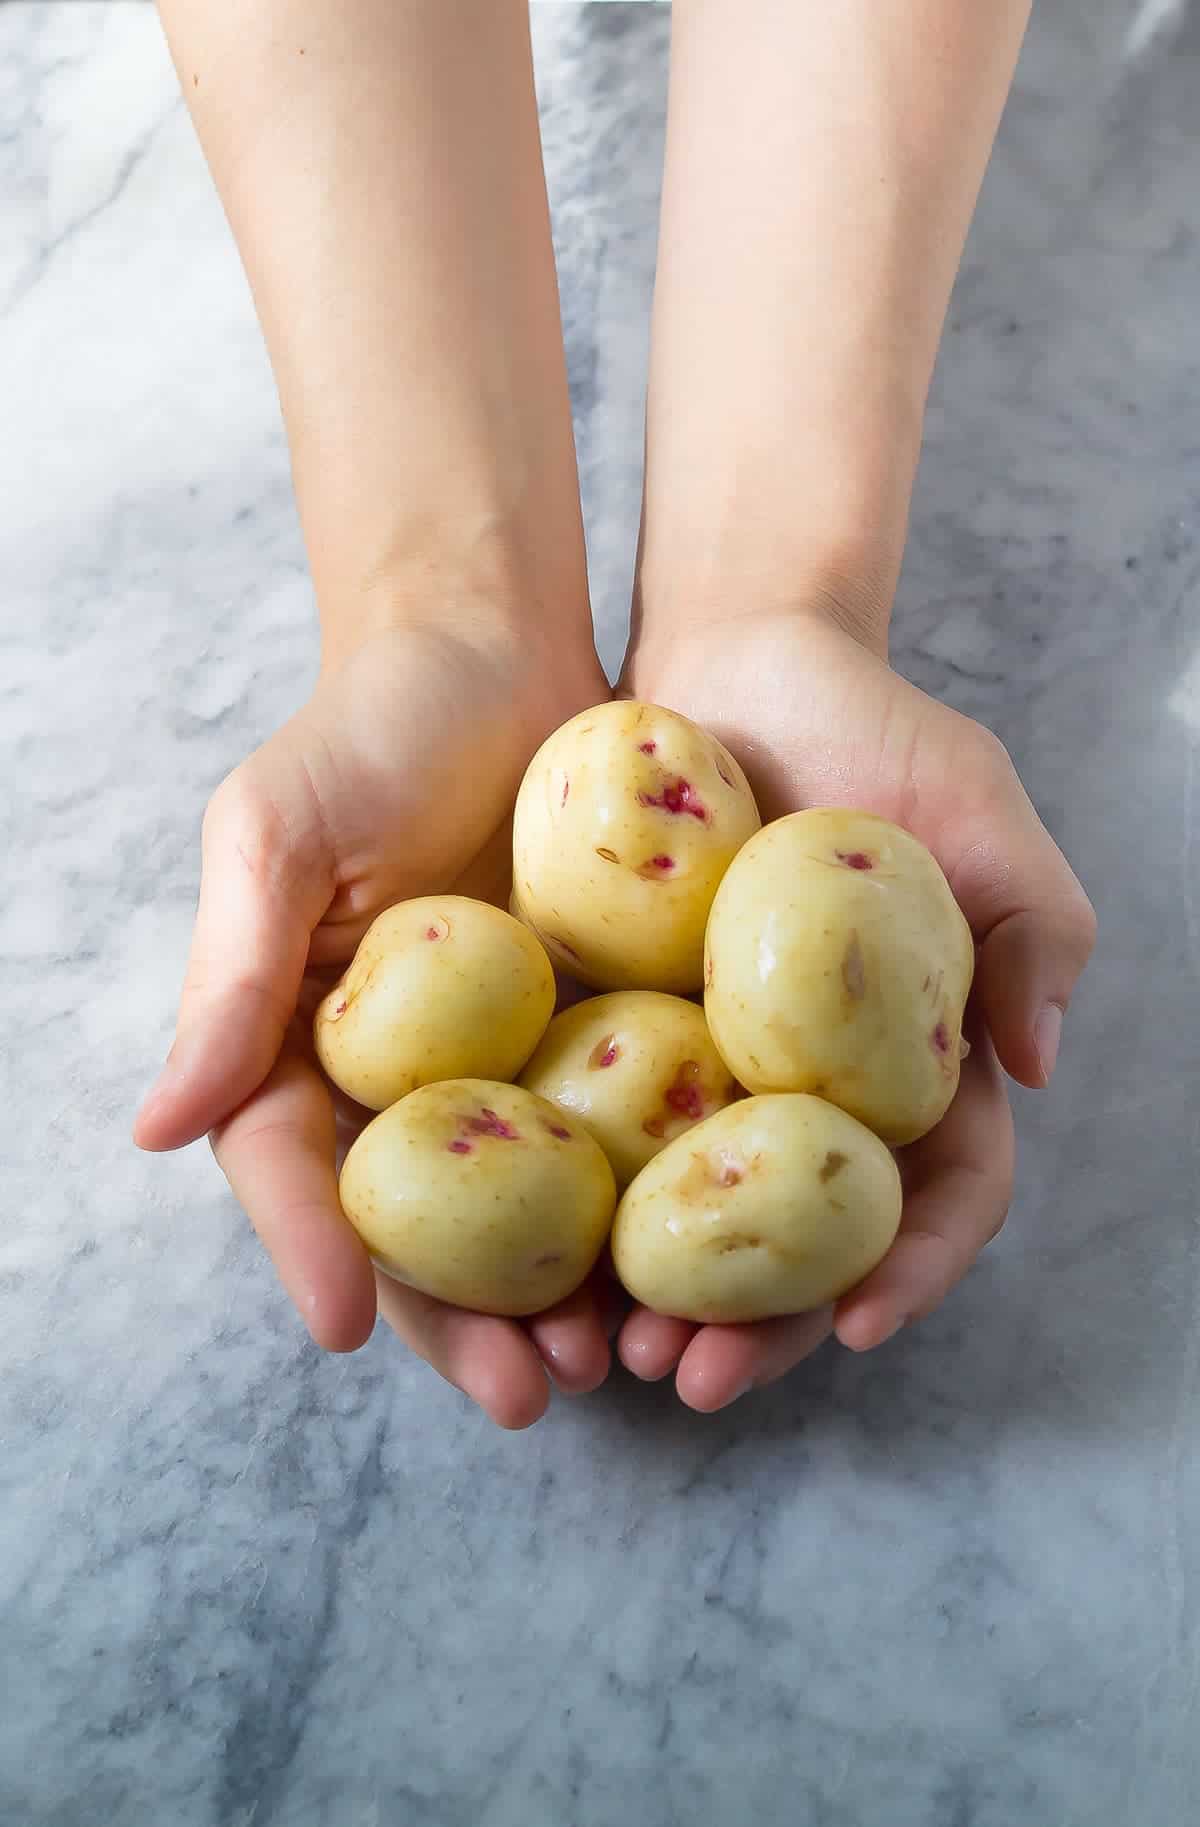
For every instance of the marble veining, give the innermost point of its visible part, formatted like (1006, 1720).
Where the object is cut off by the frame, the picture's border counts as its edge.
(955, 1584)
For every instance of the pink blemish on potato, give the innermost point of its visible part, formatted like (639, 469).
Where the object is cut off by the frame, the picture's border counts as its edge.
(656, 1127)
(565, 791)
(459, 1146)
(487, 1123)
(678, 797)
(431, 932)
(939, 1040)
(647, 748)
(342, 1006)
(684, 1095)
(855, 859)
(556, 1130)
(656, 867)
(604, 1053)
(662, 861)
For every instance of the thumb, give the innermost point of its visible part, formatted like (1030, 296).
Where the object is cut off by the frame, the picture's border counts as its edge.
(266, 879)
(1036, 929)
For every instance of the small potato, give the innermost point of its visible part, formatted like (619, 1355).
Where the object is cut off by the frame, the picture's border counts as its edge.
(627, 818)
(775, 1205)
(443, 987)
(480, 1194)
(837, 961)
(637, 1069)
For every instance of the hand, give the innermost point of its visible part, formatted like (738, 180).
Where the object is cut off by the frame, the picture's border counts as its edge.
(396, 779)
(816, 718)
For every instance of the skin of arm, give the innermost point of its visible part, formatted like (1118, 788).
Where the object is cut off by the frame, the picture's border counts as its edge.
(380, 166)
(822, 167)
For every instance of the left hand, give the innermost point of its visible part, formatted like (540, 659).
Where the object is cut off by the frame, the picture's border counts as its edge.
(818, 718)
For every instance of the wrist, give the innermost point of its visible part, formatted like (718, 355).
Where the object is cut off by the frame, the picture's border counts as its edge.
(486, 592)
(846, 581)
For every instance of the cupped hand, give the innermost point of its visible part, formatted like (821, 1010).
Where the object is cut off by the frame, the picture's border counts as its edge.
(816, 718)
(396, 779)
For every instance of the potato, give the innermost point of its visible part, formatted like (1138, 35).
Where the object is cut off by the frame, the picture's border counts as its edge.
(775, 1205)
(443, 987)
(637, 1069)
(837, 961)
(627, 818)
(480, 1194)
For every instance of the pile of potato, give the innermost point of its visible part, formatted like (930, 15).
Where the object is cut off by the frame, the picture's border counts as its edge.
(737, 1155)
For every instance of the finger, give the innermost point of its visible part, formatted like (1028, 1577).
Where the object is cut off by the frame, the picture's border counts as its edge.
(958, 1182)
(265, 882)
(572, 1343)
(491, 1360)
(1035, 923)
(724, 1362)
(277, 1153)
(651, 1344)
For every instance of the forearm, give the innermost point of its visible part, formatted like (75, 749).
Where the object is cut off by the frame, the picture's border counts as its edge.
(380, 165)
(822, 167)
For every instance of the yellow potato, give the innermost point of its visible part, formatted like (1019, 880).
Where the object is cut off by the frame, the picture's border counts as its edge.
(480, 1194)
(775, 1205)
(837, 961)
(627, 818)
(637, 1069)
(442, 987)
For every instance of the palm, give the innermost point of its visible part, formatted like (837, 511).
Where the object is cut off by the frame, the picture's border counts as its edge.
(817, 719)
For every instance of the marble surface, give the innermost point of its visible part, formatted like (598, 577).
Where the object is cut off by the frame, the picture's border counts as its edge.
(955, 1584)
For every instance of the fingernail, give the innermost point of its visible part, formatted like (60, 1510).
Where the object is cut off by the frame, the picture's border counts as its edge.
(1047, 1033)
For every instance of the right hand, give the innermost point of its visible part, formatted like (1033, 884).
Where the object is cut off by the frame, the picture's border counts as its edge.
(396, 779)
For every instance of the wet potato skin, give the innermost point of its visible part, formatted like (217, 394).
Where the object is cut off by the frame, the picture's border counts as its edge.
(838, 962)
(636, 1067)
(480, 1194)
(774, 1205)
(440, 987)
(626, 820)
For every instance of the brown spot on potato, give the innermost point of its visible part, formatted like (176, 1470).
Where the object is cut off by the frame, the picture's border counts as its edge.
(548, 1259)
(832, 1164)
(735, 1240)
(656, 1127)
(708, 973)
(610, 856)
(854, 975)
(556, 1130)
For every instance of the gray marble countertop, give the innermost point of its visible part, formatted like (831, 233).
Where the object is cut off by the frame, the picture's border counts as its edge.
(953, 1584)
